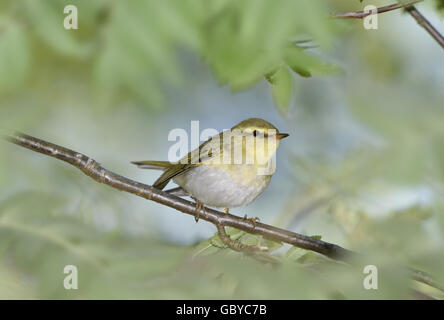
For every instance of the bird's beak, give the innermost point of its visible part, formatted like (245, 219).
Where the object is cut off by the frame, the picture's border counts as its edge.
(282, 135)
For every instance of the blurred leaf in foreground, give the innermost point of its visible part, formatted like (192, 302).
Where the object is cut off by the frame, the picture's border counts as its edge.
(14, 55)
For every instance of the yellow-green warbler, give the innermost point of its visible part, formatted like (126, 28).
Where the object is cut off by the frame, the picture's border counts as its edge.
(229, 170)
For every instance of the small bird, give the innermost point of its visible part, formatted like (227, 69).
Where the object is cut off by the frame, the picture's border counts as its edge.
(225, 171)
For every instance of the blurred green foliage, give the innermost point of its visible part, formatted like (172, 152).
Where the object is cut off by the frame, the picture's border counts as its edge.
(135, 53)
(440, 4)
(132, 44)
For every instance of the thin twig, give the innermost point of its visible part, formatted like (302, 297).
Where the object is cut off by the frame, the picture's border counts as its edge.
(220, 219)
(408, 6)
(423, 277)
(236, 245)
(423, 22)
(363, 14)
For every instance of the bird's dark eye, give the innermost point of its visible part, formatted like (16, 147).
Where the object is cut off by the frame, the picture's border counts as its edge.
(255, 133)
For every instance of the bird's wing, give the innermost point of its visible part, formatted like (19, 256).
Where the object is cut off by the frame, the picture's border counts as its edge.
(152, 164)
(207, 151)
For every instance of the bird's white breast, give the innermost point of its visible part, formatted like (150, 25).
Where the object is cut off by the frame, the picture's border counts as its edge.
(216, 187)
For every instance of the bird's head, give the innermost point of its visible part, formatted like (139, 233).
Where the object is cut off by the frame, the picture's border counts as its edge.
(265, 136)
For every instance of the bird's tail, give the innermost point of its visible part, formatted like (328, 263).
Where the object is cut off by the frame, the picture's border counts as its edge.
(156, 165)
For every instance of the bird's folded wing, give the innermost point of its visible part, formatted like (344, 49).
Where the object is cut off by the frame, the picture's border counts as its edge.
(207, 151)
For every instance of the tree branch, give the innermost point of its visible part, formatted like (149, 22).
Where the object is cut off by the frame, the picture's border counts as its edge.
(363, 14)
(94, 170)
(220, 219)
(423, 22)
(409, 7)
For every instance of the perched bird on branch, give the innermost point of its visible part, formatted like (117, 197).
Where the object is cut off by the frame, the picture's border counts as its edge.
(229, 170)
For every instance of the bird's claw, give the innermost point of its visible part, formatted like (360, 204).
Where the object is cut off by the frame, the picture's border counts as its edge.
(253, 220)
(199, 206)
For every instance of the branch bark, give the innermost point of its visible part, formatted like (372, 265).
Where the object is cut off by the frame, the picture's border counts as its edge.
(408, 6)
(94, 170)
(220, 219)
(363, 14)
(423, 22)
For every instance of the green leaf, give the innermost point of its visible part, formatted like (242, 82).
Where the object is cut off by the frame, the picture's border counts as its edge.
(205, 248)
(294, 253)
(14, 55)
(216, 241)
(310, 258)
(46, 18)
(414, 213)
(301, 71)
(271, 245)
(244, 40)
(281, 84)
(303, 63)
(440, 5)
(234, 233)
(243, 237)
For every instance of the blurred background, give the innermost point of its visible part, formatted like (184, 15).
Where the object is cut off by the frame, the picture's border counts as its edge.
(363, 166)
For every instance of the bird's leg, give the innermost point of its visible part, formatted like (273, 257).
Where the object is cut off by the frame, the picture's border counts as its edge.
(179, 192)
(199, 206)
(253, 220)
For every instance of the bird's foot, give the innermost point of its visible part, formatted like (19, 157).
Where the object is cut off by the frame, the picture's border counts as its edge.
(199, 206)
(253, 220)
